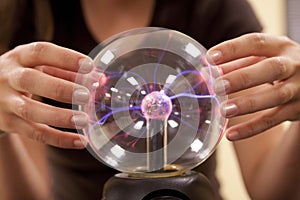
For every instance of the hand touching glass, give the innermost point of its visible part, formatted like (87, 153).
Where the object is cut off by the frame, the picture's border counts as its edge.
(46, 70)
(264, 71)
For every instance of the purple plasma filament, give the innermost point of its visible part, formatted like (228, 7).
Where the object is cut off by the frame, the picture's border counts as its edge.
(156, 105)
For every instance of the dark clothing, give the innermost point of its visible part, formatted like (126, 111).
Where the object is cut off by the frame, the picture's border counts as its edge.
(75, 173)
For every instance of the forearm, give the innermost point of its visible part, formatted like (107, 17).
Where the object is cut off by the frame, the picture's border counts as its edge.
(277, 175)
(20, 177)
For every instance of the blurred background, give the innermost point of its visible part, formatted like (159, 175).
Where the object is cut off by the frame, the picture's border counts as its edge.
(276, 20)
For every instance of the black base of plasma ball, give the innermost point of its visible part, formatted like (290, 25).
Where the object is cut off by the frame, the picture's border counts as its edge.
(190, 186)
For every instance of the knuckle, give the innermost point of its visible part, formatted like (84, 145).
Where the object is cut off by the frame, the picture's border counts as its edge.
(278, 66)
(250, 104)
(267, 122)
(21, 78)
(37, 49)
(285, 94)
(60, 91)
(258, 39)
(37, 135)
(37, 52)
(231, 47)
(244, 80)
(22, 110)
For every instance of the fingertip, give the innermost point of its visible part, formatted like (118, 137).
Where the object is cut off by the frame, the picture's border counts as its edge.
(232, 135)
(81, 142)
(229, 110)
(85, 65)
(80, 120)
(221, 86)
(81, 95)
(214, 56)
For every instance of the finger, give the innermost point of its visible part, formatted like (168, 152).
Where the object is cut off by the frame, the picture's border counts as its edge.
(35, 82)
(261, 122)
(266, 71)
(31, 110)
(62, 74)
(240, 63)
(58, 73)
(268, 97)
(254, 44)
(44, 53)
(45, 134)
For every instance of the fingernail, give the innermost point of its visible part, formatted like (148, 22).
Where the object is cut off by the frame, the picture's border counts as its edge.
(81, 96)
(214, 55)
(229, 110)
(233, 135)
(221, 87)
(85, 65)
(80, 143)
(80, 120)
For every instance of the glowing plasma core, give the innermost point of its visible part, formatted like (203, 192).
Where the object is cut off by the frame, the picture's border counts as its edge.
(156, 105)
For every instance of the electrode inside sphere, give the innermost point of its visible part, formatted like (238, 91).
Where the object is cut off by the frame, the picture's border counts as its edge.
(156, 105)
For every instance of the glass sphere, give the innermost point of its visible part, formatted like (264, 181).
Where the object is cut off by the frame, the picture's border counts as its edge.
(153, 110)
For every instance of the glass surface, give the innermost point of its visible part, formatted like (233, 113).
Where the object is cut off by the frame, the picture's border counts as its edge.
(153, 110)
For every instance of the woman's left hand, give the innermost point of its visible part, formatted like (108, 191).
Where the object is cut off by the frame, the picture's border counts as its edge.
(264, 70)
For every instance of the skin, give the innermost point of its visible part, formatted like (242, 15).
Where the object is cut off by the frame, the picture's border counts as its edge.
(54, 68)
(278, 64)
(261, 73)
(19, 113)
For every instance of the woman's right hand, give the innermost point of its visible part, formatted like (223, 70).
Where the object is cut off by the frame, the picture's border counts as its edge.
(46, 70)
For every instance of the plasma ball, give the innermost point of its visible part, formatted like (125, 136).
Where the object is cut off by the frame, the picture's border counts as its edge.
(156, 105)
